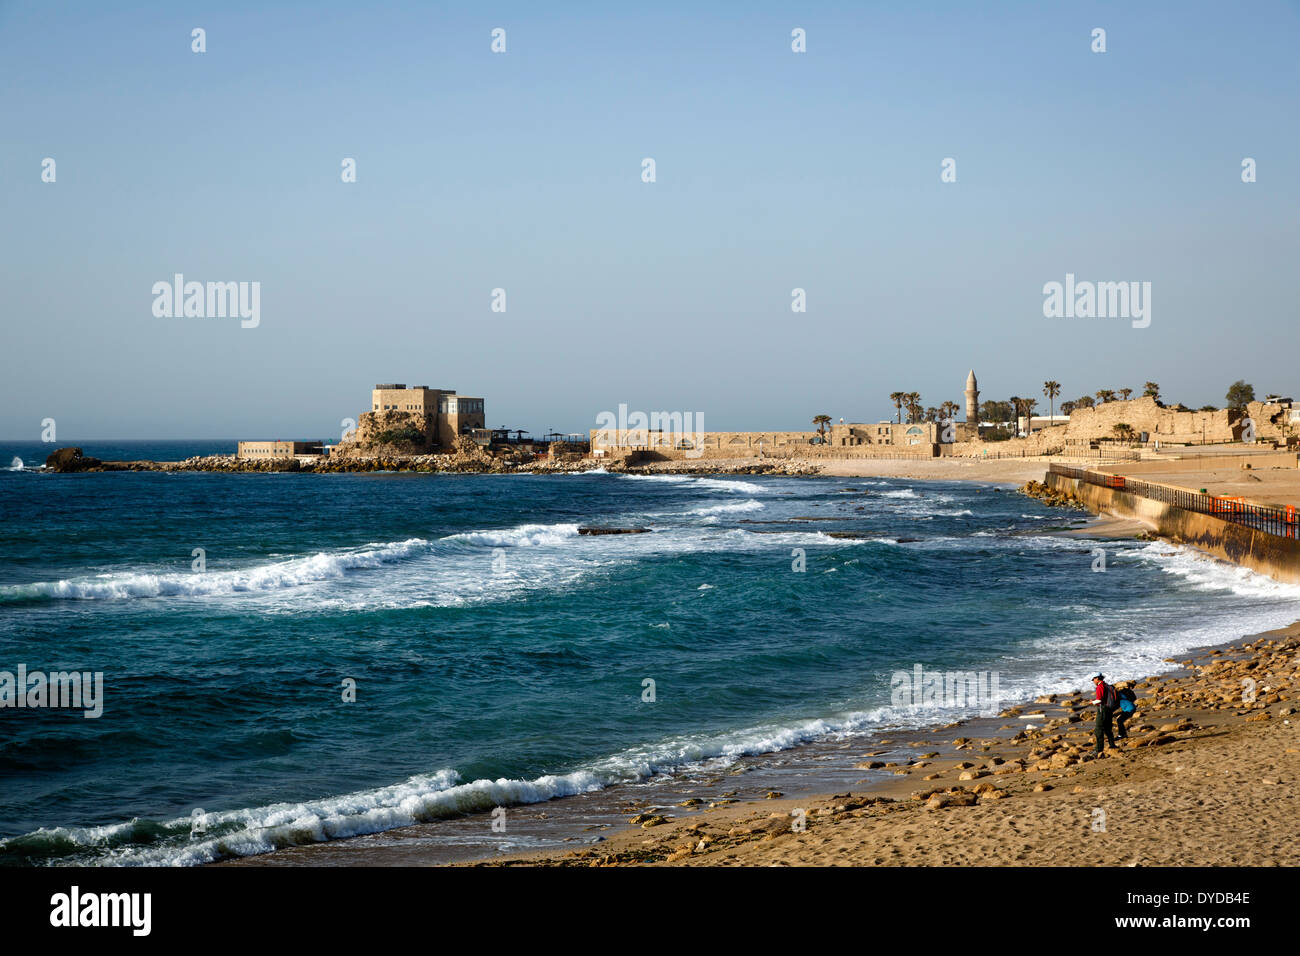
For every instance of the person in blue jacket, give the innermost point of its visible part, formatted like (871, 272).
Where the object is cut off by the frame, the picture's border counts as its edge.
(1127, 706)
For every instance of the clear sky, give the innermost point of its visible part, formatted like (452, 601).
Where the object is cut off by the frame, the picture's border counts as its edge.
(522, 171)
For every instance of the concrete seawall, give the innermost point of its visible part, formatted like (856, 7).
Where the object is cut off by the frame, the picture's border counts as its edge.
(1269, 554)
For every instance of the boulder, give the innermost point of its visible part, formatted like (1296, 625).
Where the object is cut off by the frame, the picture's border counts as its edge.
(71, 459)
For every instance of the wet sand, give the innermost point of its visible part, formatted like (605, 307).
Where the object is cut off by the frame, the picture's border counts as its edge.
(1002, 471)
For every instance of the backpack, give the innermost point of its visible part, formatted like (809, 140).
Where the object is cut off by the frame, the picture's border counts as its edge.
(1127, 700)
(1109, 697)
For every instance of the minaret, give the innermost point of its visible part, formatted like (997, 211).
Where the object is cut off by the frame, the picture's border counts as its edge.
(972, 399)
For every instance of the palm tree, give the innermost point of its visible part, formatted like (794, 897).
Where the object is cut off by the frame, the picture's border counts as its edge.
(949, 409)
(1124, 393)
(913, 400)
(1017, 410)
(1105, 395)
(821, 421)
(1152, 390)
(1068, 407)
(897, 399)
(1085, 401)
(1051, 390)
(1030, 404)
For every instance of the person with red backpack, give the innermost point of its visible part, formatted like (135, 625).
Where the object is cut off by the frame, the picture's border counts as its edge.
(1107, 701)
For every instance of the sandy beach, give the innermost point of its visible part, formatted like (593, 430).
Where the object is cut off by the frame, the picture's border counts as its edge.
(999, 470)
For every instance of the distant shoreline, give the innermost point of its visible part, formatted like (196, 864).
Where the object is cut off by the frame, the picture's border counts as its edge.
(1012, 470)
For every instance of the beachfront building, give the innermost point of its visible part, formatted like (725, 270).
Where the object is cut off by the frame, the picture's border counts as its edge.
(1040, 421)
(277, 450)
(905, 435)
(447, 413)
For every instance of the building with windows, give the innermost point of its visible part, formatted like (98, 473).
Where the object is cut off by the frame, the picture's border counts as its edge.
(440, 413)
(278, 450)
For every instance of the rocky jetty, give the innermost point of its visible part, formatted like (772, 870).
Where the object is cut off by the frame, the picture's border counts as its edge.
(792, 467)
(1055, 497)
(466, 457)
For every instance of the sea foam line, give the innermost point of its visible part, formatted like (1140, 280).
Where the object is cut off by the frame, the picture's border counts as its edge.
(265, 577)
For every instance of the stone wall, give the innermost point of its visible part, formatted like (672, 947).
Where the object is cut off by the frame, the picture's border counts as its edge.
(1045, 441)
(1276, 556)
(725, 452)
(1145, 415)
(848, 441)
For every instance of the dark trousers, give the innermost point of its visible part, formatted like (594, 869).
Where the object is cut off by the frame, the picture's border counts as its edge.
(1103, 731)
(1121, 718)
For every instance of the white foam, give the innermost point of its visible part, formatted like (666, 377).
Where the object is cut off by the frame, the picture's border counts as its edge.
(1210, 574)
(263, 577)
(714, 484)
(481, 566)
(259, 830)
(739, 506)
(523, 536)
(428, 797)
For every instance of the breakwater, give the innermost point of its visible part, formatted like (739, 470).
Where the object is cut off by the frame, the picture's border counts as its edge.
(1225, 535)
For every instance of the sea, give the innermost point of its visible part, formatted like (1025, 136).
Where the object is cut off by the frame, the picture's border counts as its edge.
(293, 659)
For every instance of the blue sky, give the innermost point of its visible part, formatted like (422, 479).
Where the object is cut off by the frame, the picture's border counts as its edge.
(522, 171)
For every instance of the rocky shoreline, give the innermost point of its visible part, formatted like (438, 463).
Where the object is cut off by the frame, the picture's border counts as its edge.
(462, 461)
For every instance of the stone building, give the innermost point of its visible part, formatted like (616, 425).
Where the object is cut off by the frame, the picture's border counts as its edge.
(905, 435)
(447, 414)
(277, 450)
(418, 418)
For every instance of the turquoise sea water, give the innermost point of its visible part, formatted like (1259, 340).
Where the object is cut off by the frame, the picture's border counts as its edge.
(500, 657)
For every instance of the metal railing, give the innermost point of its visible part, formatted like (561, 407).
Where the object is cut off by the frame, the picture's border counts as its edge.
(1021, 453)
(1282, 522)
